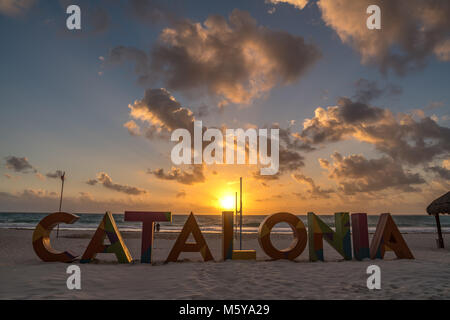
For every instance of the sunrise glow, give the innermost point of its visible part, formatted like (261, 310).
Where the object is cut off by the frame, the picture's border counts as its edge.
(227, 202)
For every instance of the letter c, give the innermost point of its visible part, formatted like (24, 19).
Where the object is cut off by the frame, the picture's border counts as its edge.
(41, 237)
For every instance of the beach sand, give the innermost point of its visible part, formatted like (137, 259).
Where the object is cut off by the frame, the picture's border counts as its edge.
(24, 276)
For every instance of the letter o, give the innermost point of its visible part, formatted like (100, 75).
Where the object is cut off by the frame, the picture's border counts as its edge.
(300, 236)
(41, 237)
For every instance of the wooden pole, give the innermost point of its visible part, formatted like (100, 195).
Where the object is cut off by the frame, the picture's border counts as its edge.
(438, 224)
(60, 201)
(240, 211)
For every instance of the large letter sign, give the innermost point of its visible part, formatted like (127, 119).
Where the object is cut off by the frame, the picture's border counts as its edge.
(297, 226)
(180, 245)
(388, 237)
(227, 241)
(41, 237)
(107, 228)
(340, 239)
(360, 234)
(148, 220)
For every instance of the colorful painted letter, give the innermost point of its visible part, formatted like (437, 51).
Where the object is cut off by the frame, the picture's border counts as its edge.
(180, 245)
(297, 226)
(148, 223)
(41, 237)
(388, 237)
(360, 233)
(227, 234)
(339, 239)
(244, 255)
(227, 241)
(107, 228)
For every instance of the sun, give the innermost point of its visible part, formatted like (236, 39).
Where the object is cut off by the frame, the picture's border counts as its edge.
(227, 202)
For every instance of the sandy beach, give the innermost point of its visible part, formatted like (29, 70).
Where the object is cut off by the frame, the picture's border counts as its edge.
(24, 276)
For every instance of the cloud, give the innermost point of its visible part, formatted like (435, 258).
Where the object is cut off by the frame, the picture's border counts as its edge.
(121, 54)
(298, 4)
(314, 191)
(38, 200)
(19, 164)
(196, 175)
(367, 91)
(442, 50)
(434, 105)
(446, 164)
(14, 8)
(162, 112)
(149, 11)
(40, 176)
(181, 194)
(54, 175)
(133, 128)
(411, 30)
(441, 172)
(105, 180)
(356, 174)
(291, 158)
(234, 61)
(92, 182)
(401, 137)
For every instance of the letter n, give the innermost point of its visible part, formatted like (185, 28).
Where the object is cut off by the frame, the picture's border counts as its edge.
(388, 238)
(181, 245)
(107, 228)
(339, 239)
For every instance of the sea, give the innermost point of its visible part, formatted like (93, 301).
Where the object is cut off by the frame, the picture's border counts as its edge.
(213, 223)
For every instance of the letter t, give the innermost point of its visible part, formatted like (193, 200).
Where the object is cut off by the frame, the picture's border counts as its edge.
(148, 220)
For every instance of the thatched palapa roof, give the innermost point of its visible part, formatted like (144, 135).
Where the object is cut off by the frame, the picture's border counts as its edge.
(440, 205)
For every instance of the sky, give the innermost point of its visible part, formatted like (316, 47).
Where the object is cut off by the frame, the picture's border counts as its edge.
(363, 114)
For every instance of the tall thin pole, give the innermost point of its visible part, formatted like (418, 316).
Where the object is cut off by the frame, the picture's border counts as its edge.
(60, 200)
(235, 214)
(240, 211)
